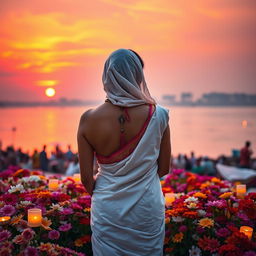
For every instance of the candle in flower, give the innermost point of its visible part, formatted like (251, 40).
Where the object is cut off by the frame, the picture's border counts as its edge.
(77, 177)
(53, 184)
(34, 217)
(247, 231)
(240, 190)
(4, 220)
(169, 198)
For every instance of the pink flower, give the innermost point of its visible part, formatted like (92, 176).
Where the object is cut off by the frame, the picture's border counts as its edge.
(54, 235)
(19, 239)
(65, 227)
(31, 251)
(28, 234)
(7, 210)
(67, 211)
(250, 253)
(183, 228)
(4, 235)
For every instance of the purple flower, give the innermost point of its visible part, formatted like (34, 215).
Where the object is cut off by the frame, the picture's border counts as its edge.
(4, 235)
(31, 251)
(7, 210)
(65, 227)
(243, 216)
(222, 232)
(67, 211)
(54, 235)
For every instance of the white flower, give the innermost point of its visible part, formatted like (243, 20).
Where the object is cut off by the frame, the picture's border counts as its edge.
(18, 188)
(177, 219)
(194, 251)
(25, 203)
(223, 190)
(32, 178)
(201, 213)
(56, 207)
(191, 199)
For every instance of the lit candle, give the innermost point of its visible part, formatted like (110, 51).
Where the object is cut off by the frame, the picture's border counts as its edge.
(169, 198)
(4, 220)
(53, 184)
(77, 177)
(240, 190)
(34, 217)
(247, 231)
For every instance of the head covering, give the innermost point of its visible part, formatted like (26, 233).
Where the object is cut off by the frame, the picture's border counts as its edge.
(124, 81)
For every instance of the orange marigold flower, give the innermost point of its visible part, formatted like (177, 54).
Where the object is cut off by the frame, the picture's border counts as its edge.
(79, 242)
(45, 247)
(16, 219)
(206, 222)
(178, 237)
(44, 194)
(226, 195)
(166, 240)
(167, 189)
(201, 195)
(215, 180)
(46, 223)
(167, 220)
(190, 214)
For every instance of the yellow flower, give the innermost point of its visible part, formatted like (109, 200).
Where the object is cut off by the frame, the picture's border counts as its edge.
(87, 209)
(206, 222)
(192, 206)
(178, 237)
(201, 195)
(46, 223)
(226, 195)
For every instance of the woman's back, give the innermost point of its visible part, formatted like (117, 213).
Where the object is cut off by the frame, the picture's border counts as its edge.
(103, 128)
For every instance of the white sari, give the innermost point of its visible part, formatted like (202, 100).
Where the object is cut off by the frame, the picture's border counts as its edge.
(128, 210)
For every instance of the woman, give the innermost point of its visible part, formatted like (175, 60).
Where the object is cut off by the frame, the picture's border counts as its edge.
(130, 137)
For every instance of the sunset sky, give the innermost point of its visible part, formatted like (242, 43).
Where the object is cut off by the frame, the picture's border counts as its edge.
(197, 46)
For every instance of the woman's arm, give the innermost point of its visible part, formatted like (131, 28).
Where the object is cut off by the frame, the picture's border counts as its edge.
(86, 155)
(165, 153)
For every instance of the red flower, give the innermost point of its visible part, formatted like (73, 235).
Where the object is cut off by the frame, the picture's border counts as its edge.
(241, 241)
(208, 244)
(85, 221)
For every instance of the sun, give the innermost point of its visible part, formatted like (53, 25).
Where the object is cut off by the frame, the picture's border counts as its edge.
(50, 92)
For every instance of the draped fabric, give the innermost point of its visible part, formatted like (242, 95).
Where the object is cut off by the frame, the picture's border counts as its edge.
(124, 81)
(128, 211)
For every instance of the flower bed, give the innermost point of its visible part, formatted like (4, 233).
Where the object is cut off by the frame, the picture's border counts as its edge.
(203, 220)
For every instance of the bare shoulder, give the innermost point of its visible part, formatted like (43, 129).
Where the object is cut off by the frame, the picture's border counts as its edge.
(92, 115)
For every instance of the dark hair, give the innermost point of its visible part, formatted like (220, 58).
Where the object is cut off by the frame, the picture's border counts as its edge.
(247, 143)
(140, 59)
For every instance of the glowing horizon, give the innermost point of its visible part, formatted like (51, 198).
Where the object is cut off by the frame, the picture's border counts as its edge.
(197, 46)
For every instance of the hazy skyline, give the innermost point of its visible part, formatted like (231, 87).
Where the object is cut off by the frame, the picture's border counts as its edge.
(196, 46)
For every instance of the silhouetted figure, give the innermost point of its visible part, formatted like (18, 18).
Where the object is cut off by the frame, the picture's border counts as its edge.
(43, 159)
(245, 155)
(35, 160)
(73, 166)
(69, 154)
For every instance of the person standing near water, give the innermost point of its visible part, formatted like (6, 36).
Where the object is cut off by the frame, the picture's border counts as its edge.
(130, 137)
(245, 155)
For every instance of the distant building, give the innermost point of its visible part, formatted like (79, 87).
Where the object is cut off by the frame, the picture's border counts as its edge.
(186, 98)
(169, 99)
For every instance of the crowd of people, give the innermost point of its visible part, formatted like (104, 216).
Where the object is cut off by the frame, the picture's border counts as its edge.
(67, 163)
(62, 162)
